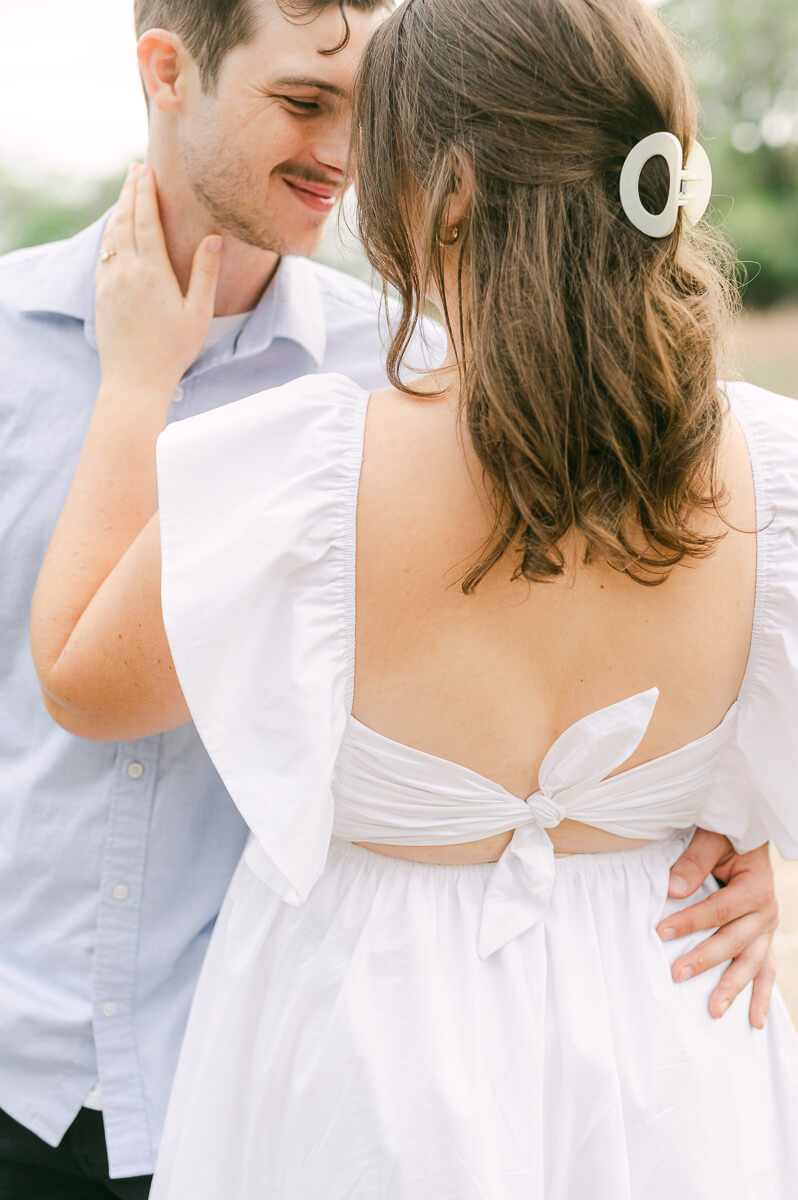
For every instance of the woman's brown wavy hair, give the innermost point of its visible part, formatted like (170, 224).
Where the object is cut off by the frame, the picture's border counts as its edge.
(587, 350)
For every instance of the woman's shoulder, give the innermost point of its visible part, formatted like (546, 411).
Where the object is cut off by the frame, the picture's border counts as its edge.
(409, 431)
(751, 798)
(327, 403)
(303, 440)
(419, 502)
(742, 394)
(257, 513)
(763, 760)
(769, 421)
(288, 456)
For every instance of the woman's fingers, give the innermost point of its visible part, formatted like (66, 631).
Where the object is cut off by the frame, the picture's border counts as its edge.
(119, 232)
(746, 967)
(147, 218)
(201, 294)
(148, 332)
(762, 990)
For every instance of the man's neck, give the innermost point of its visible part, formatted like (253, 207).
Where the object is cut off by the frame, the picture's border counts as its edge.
(245, 271)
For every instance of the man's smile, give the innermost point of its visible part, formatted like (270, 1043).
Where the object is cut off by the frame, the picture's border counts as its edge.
(320, 197)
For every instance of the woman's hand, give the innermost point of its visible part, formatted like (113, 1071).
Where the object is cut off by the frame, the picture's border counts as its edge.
(745, 914)
(148, 332)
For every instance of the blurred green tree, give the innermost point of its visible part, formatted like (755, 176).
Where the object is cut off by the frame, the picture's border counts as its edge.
(31, 214)
(745, 60)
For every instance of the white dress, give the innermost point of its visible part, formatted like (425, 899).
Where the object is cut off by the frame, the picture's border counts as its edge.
(370, 1028)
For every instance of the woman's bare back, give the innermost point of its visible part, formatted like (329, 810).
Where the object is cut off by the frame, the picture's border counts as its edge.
(489, 680)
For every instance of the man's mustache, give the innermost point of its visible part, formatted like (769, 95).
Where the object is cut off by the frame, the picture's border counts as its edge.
(308, 174)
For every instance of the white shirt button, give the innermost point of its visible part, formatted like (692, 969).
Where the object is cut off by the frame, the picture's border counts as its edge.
(109, 1009)
(135, 770)
(120, 892)
(178, 396)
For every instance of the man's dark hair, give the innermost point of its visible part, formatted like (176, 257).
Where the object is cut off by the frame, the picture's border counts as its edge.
(210, 29)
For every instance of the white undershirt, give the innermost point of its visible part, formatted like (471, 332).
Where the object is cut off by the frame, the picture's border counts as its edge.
(221, 326)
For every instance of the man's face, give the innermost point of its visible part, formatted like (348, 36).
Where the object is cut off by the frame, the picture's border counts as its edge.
(266, 149)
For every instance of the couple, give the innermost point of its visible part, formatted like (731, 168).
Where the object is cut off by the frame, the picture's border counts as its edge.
(442, 965)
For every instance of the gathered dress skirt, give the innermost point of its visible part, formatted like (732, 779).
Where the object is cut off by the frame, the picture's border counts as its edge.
(358, 1048)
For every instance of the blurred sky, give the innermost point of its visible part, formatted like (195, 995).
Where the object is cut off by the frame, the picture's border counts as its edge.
(70, 98)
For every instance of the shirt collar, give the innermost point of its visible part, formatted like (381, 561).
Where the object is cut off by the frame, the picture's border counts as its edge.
(292, 306)
(62, 280)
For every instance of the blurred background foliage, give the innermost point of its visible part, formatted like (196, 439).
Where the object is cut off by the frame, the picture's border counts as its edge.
(44, 210)
(745, 61)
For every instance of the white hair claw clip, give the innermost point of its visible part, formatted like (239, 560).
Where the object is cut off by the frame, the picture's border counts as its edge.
(697, 171)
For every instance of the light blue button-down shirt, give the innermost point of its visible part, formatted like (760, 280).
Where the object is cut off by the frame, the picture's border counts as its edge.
(114, 858)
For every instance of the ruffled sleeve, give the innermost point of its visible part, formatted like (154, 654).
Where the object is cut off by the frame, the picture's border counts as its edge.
(257, 508)
(754, 795)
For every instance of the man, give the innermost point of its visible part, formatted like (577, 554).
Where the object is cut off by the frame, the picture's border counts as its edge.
(114, 857)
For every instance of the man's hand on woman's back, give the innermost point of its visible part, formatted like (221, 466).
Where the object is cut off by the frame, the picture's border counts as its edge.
(744, 912)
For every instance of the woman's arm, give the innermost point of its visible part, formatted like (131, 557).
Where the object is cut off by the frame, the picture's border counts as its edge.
(113, 679)
(96, 627)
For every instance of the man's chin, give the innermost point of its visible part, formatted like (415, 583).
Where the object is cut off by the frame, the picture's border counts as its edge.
(291, 241)
(288, 238)
(307, 242)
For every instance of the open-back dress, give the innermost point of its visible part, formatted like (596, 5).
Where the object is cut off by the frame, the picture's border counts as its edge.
(372, 1028)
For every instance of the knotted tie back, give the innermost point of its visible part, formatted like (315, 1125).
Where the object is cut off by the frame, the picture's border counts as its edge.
(519, 889)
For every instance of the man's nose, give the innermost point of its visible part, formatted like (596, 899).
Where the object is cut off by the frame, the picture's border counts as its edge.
(331, 148)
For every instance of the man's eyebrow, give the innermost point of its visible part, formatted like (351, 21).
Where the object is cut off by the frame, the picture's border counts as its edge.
(307, 81)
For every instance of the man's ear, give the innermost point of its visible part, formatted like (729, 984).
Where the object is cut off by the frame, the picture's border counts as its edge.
(163, 62)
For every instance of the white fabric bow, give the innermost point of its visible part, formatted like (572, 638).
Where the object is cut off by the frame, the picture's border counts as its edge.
(520, 887)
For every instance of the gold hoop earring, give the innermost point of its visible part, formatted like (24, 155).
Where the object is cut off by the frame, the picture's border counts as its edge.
(453, 235)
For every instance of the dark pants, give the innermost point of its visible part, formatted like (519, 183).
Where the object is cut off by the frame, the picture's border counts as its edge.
(75, 1170)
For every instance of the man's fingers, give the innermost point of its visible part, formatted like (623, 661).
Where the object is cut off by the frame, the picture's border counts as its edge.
(748, 891)
(201, 294)
(738, 975)
(690, 870)
(762, 991)
(148, 229)
(729, 942)
(718, 909)
(744, 913)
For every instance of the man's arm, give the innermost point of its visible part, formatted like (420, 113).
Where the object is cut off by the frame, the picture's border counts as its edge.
(744, 912)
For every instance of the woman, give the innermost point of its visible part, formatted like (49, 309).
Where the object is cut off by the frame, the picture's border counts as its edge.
(436, 972)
